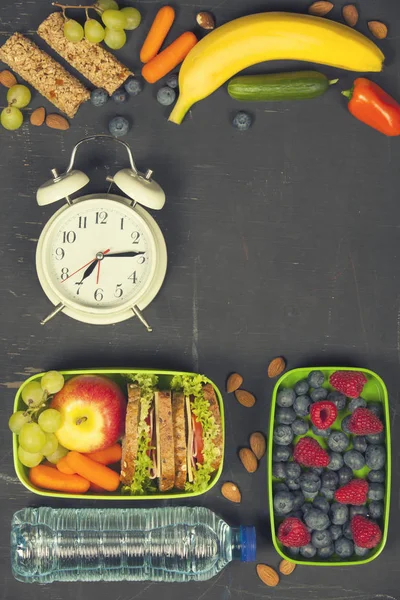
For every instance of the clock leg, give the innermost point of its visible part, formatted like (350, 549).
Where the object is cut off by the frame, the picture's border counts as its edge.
(137, 312)
(53, 313)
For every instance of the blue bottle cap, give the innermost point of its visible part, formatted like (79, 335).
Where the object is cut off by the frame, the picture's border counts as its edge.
(248, 543)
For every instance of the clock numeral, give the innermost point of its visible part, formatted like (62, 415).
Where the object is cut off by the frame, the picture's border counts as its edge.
(78, 283)
(133, 277)
(135, 235)
(122, 222)
(101, 217)
(141, 259)
(118, 291)
(82, 222)
(64, 273)
(59, 253)
(69, 236)
(98, 295)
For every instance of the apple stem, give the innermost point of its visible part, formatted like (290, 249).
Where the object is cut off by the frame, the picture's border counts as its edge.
(81, 420)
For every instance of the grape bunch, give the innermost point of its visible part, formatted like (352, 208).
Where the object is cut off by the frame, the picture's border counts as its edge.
(36, 427)
(116, 22)
(18, 96)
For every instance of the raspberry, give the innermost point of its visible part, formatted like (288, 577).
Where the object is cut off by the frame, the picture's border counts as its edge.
(350, 383)
(293, 532)
(323, 414)
(355, 492)
(364, 422)
(309, 453)
(366, 533)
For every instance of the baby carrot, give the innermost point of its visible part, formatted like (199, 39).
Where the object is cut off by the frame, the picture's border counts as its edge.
(108, 456)
(169, 58)
(52, 479)
(96, 488)
(63, 466)
(93, 471)
(157, 34)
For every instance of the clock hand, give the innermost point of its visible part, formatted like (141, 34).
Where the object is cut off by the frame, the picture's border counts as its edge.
(88, 271)
(125, 254)
(94, 260)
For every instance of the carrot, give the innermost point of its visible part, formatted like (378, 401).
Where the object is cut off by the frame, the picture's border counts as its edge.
(93, 471)
(108, 456)
(157, 34)
(52, 479)
(63, 466)
(96, 488)
(169, 58)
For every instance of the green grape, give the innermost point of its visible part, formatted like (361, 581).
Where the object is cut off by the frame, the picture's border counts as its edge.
(50, 420)
(52, 382)
(31, 437)
(11, 118)
(73, 31)
(132, 16)
(94, 32)
(115, 39)
(114, 19)
(51, 444)
(32, 394)
(29, 459)
(57, 455)
(107, 4)
(17, 420)
(19, 96)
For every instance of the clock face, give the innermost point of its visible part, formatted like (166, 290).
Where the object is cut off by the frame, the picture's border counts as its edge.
(99, 255)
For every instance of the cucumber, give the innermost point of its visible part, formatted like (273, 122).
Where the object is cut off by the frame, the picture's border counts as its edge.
(299, 85)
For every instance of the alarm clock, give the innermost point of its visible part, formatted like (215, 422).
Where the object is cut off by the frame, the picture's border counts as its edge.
(101, 258)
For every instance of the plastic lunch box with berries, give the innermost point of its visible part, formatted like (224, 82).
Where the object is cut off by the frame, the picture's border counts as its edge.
(328, 484)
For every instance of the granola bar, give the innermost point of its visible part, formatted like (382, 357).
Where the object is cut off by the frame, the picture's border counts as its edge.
(43, 73)
(95, 63)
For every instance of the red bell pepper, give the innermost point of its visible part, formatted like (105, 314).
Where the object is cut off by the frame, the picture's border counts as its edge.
(370, 104)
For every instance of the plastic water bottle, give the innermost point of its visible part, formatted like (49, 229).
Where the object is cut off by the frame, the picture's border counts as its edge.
(157, 544)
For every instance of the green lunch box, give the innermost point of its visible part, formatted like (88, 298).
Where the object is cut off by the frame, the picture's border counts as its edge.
(374, 391)
(117, 375)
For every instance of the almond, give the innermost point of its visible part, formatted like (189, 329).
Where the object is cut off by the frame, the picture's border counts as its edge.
(258, 444)
(231, 492)
(286, 567)
(205, 20)
(378, 29)
(320, 9)
(350, 14)
(245, 398)
(38, 116)
(268, 575)
(234, 382)
(7, 79)
(248, 459)
(276, 367)
(57, 122)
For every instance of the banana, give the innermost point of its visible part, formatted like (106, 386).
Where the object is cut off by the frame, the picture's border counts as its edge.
(269, 36)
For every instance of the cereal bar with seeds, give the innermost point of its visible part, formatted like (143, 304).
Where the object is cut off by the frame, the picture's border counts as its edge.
(43, 73)
(95, 63)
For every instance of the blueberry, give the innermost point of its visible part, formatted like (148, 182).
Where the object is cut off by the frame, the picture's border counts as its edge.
(283, 503)
(321, 432)
(285, 397)
(280, 487)
(376, 476)
(120, 96)
(376, 438)
(354, 459)
(344, 547)
(335, 531)
(327, 493)
(338, 441)
(242, 121)
(310, 495)
(285, 415)
(296, 513)
(347, 531)
(118, 126)
(356, 403)
(166, 96)
(293, 550)
(322, 504)
(299, 427)
(358, 510)
(336, 461)
(360, 551)
(281, 453)
(318, 394)
(375, 457)
(317, 470)
(345, 475)
(320, 539)
(133, 86)
(375, 407)
(376, 491)
(345, 424)
(339, 513)
(293, 484)
(310, 482)
(302, 406)
(172, 81)
(315, 379)
(283, 435)
(301, 387)
(278, 470)
(307, 506)
(360, 443)
(330, 480)
(316, 519)
(338, 399)
(298, 500)
(98, 97)
(375, 510)
(326, 551)
(308, 551)
(293, 470)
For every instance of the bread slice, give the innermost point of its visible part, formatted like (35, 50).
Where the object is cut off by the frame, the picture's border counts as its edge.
(165, 440)
(211, 398)
(179, 429)
(130, 441)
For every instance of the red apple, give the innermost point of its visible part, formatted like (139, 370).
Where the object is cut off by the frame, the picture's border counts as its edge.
(93, 413)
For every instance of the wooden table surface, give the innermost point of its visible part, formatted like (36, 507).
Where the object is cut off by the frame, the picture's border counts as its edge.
(283, 240)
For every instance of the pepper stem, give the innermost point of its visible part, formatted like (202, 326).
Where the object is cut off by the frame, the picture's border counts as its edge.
(348, 93)
(333, 81)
